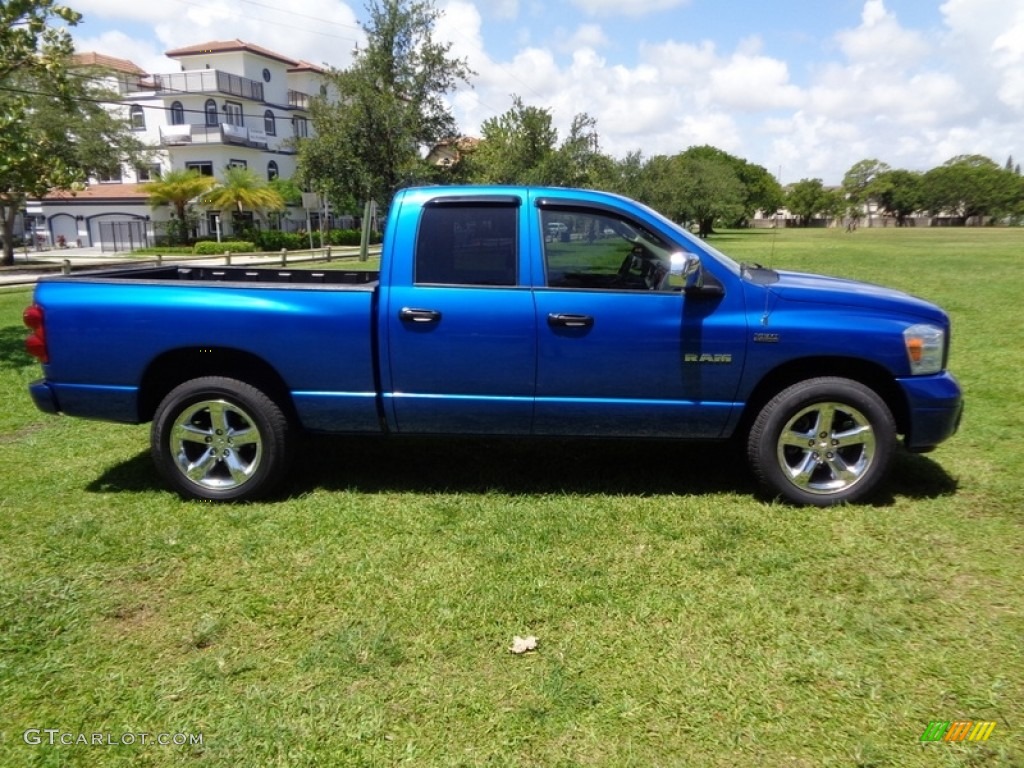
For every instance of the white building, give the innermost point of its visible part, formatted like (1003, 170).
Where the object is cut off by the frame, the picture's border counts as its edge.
(231, 104)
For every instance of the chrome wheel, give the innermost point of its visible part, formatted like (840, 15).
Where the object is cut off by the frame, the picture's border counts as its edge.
(822, 441)
(220, 439)
(216, 444)
(826, 447)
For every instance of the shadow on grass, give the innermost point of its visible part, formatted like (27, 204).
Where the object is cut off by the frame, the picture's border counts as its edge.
(12, 348)
(481, 465)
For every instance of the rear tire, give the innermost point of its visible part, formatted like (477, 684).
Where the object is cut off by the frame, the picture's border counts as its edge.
(220, 439)
(823, 441)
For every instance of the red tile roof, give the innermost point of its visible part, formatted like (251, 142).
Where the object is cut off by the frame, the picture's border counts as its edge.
(305, 66)
(92, 59)
(228, 46)
(99, 193)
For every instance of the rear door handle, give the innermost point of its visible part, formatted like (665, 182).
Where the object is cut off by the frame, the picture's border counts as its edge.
(570, 321)
(410, 315)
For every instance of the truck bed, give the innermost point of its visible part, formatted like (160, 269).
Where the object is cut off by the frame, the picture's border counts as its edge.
(114, 332)
(244, 274)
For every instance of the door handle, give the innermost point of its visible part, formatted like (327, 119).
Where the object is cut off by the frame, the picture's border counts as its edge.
(419, 315)
(570, 321)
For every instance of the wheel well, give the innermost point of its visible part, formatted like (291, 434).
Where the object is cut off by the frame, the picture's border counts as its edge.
(870, 375)
(178, 366)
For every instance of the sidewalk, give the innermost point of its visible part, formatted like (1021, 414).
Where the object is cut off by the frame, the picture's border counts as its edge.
(27, 270)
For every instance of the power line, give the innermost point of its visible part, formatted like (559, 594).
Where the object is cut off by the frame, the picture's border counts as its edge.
(129, 104)
(282, 24)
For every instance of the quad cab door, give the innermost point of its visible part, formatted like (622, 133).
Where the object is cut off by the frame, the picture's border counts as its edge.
(460, 345)
(621, 350)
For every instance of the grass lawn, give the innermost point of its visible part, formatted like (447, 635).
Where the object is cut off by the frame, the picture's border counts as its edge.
(365, 619)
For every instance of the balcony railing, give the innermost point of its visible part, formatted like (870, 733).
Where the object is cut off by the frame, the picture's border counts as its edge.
(207, 81)
(222, 133)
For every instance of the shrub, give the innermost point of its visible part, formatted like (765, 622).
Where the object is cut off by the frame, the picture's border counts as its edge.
(275, 240)
(164, 250)
(208, 248)
(350, 237)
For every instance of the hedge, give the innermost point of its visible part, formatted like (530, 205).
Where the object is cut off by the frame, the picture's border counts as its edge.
(213, 248)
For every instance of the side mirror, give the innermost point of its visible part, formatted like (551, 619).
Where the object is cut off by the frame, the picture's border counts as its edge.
(687, 266)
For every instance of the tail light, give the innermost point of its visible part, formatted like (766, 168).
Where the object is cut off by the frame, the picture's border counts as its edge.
(35, 344)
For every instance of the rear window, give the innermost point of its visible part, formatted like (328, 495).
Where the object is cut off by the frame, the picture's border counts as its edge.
(471, 244)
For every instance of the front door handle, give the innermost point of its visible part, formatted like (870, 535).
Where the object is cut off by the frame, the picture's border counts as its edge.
(570, 321)
(419, 315)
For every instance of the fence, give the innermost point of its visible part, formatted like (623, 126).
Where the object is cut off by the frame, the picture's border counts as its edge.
(122, 235)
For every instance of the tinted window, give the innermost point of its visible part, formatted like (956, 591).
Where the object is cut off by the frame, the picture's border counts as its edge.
(467, 245)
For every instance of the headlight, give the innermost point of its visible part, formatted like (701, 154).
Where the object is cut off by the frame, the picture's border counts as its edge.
(926, 347)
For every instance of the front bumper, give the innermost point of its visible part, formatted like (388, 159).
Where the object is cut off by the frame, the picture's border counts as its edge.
(934, 408)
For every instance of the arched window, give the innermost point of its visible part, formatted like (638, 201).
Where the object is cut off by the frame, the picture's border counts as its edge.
(272, 172)
(212, 116)
(269, 124)
(177, 114)
(138, 117)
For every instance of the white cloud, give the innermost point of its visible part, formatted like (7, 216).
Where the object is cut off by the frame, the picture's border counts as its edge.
(118, 9)
(504, 9)
(319, 31)
(586, 36)
(681, 64)
(116, 43)
(986, 40)
(754, 83)
(880, 42)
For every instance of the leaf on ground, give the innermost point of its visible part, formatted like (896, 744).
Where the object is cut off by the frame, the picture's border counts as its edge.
(523, 644)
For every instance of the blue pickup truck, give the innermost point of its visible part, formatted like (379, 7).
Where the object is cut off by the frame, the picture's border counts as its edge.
(511, 311)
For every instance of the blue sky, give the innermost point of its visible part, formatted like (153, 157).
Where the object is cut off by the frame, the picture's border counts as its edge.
(805, 89)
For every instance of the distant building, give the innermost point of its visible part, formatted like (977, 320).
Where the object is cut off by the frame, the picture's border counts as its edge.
(450, 152)
(232, 103)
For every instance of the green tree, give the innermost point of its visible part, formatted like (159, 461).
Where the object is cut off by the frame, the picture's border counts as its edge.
(970, 186)
(898, 193)
(517, 147)
(390, 106)
(242, 189)
(858, 182)
(54, 130)
(695, 186)
(807, 198)
(761, 190)
(288, 189)
(578, 161)
(711, 191)
(178, 189)
(626, 176)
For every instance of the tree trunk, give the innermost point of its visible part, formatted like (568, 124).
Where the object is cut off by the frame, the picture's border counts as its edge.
(8, 214)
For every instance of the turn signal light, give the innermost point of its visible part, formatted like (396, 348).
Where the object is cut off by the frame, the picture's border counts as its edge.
(35, 344)
(915, 348)
(926, 348)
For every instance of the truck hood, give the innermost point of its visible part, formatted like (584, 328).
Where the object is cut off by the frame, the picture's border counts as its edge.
(819, 289)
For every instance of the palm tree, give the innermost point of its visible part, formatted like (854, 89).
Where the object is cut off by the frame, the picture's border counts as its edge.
(241, 189)
(178, 188)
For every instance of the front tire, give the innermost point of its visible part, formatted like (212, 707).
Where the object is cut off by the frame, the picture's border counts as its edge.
(219, 439)
(823, 441)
